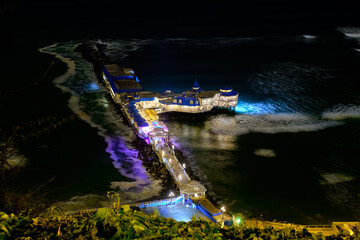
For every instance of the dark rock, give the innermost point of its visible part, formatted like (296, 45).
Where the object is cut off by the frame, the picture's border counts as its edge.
(94, 53)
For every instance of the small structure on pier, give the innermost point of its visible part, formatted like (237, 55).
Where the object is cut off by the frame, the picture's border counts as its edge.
(193, 189)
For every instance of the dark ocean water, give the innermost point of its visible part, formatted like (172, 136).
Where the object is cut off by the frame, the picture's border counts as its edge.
(289, 152)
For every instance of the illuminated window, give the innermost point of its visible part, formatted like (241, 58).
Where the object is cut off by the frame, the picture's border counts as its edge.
(174, 101)
(180, 101)
(197, 102)
(191, 102)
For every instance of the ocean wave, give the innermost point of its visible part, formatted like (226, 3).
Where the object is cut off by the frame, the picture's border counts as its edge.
(88, 100)
(291, 83)
(271, 124)
(310, 36)
(352, 32)
(262, 152)
(341, 112)
(118, 50)
(334, 178)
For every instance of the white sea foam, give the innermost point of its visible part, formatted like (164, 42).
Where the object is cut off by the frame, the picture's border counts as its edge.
(352, 35)
(309, 36)
(340, 112)
(68, 61)
(352, 32)
(333, 178)
(16, 159)
(271, 123)
(88, 201)
(262, 152)
(80, 79)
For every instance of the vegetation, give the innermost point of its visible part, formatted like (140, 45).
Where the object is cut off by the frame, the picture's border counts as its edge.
(11, 199)
(126, 223)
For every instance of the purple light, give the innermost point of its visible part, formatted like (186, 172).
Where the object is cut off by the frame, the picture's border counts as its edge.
(145, 130)
(126, 161)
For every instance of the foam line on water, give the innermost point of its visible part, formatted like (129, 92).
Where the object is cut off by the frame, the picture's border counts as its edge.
(310, 36)
(263, 152)
(88, 101)
(271, 124)
(334, 178)
(341, 112)
(353, 32)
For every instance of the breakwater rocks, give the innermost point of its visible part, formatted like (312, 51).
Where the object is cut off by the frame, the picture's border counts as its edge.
(94, 53)
(216, 200)
(154, 167)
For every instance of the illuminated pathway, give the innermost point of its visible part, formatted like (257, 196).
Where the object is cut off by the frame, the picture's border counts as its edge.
(191, 192)
(167, 156)
(158, 138)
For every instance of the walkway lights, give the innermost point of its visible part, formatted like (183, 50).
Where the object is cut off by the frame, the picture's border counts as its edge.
(171, 194)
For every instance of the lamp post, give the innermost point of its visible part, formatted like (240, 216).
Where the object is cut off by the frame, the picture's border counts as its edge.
(222, 213)
(171, 195)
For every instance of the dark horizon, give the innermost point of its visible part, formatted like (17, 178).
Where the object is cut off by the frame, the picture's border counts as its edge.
(47, 20)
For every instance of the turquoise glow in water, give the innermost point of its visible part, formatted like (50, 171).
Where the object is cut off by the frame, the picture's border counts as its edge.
(254, 108)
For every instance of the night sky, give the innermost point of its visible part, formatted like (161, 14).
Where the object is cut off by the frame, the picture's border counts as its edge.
(80, 19)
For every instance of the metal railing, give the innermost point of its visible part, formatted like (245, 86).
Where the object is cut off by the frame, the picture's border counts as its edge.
(157, 202)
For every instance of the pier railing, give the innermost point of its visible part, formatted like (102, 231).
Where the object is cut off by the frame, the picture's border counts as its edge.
(157, 202)
(165, 153)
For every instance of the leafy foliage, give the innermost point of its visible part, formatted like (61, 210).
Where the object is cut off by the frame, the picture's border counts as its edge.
(124, 223)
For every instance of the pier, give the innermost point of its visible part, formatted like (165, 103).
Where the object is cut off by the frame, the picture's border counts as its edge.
(142, 109)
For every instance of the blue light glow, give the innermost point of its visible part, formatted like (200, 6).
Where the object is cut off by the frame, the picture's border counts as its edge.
(255, 108)
(92, 87)
(162, 202)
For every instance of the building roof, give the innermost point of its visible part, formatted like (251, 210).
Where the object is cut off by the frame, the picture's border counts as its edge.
(205, 203)
(127, 85)
(167, 101)
(193, 187)
(229, 94)
(196, 85)
(134, 113)
(115, 70)
(121, 79)
(207, 94)
(226, 89)
(144, 95)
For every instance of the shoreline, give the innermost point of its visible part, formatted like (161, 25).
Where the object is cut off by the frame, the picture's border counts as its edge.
(93, 53)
